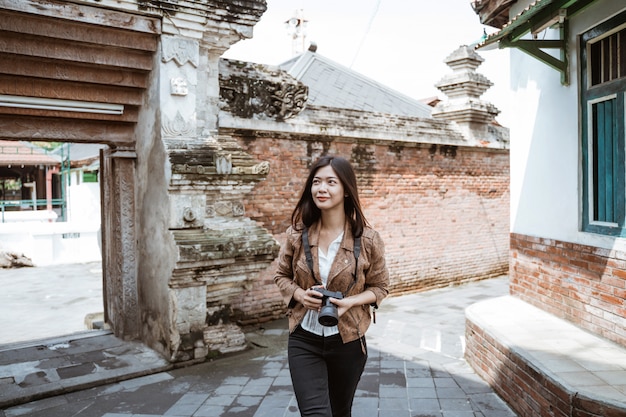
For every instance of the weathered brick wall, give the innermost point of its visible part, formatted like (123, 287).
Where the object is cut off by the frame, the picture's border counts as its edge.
(530, 391)
(443, 211)
(583, 284)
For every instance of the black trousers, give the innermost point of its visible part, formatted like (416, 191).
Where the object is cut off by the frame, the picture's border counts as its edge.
(325, 373)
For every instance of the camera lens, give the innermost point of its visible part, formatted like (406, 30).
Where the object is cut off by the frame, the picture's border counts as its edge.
(328, 315)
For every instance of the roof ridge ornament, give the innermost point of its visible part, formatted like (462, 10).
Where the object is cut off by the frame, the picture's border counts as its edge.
(463, 88)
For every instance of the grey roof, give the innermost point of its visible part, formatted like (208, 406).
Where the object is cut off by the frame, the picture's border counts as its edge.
(333, 85)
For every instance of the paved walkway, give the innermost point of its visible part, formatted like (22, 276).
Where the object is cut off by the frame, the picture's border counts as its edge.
(415, 369)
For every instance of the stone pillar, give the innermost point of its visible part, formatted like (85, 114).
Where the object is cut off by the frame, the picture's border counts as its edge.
(214, 249)
(120, 234)
(463, 88)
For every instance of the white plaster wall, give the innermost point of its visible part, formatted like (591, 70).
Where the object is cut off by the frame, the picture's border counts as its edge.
(52, 243)
(84, 203)
(38, 235)
(156, 250)
(545, 141)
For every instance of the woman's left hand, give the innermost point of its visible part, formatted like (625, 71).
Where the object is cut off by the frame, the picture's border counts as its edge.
(345, 304)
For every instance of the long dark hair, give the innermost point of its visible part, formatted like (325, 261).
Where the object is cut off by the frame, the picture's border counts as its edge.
(306, 212)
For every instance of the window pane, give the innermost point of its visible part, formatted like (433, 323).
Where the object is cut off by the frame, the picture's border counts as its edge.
(594, 63)
(604, 161)
(607, 61)
(606, 58)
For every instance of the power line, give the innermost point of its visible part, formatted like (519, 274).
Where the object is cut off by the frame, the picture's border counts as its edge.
(367, 31)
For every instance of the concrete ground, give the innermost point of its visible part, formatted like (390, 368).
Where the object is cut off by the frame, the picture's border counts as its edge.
(43, 302)
(415, 366)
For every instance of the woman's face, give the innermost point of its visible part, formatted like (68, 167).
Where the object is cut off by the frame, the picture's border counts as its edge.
(327, 190)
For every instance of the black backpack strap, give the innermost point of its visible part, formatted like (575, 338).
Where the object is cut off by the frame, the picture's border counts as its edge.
(307, 252)
(357, 252)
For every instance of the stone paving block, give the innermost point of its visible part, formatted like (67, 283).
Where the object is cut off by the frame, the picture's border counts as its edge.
(492, 404)
(420, 372)
(271, 412)
(392, 377)
(366, 403)
(391, 363)
(280, 391)
(186, 405)
(420, 382)
(284, 381)
(247, 401)
(392, 391)
(445, 382)
(451, 393)
(238, 411)
(455, 404)
(393, 403)
(220, 399)
(228, 389)
(388, 413)
(255, 389)
(272, 370)
(278, 401)
(472, 384)
(425, 414)
(210, 411)
(425, 404)
(421, 392)
(265, 381)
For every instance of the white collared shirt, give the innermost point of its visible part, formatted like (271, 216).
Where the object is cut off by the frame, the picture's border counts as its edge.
(310, 323)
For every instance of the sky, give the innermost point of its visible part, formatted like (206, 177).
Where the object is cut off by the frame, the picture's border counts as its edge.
(399, 43)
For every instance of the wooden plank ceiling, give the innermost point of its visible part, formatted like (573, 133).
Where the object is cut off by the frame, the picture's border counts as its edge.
(64, 51)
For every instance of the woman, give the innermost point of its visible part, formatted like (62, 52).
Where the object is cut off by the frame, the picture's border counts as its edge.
(347, 263)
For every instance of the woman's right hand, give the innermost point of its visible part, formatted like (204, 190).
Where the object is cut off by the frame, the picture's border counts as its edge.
(309, 298)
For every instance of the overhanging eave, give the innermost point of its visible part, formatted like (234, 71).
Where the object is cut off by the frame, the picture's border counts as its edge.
(538, 16)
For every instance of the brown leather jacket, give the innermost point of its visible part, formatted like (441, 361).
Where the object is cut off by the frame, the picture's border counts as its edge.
(293, 273)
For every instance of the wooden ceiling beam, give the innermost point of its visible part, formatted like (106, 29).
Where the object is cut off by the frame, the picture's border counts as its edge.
(66, 130)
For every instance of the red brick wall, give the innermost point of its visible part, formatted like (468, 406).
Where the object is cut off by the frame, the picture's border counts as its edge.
(530, 391)
(442, 211)
(583, 284)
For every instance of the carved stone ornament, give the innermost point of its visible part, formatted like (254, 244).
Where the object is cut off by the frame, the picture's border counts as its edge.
(224, 164)
(256, 91)
(238, 209)
(262, 168)
(289, 100)
(177, 126)
(226, 209)
(189, 215)
(223, 208)
(178, 86)
(180, 50)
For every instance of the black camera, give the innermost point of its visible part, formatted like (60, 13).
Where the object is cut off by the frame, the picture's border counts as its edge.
(328, 314)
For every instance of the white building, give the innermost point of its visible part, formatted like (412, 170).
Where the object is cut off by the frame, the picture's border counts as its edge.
(568, 211)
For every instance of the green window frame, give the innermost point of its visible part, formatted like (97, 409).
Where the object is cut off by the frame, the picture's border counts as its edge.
(603, 92)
